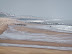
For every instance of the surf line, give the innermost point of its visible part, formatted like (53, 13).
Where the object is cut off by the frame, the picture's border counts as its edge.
(36, 46)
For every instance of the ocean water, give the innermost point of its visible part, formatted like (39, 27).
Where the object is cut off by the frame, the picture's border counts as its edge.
(59, 25)
(49, 20)
(13, 34)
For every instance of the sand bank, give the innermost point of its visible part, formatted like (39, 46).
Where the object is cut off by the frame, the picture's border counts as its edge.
(3, 28)
(35, 30)
(4, 22)
(36, 43)
(20, 50)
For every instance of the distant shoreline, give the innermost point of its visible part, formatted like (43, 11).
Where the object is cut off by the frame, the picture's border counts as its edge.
(8, 21)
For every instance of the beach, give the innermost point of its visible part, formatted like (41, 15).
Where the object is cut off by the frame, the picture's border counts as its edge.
(17, 37)
(19, 50)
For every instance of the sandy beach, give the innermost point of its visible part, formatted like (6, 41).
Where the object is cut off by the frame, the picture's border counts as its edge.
(34, 30)
(5, 30)
(19, 50)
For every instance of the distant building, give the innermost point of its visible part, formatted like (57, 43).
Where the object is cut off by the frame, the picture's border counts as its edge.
(2, 14)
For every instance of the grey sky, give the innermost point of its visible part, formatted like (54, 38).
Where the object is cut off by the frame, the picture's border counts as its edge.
(55, 8)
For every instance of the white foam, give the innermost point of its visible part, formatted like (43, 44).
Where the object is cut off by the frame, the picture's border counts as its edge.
(16, 35)
(36, 46)
(59, 28)
(63, 27)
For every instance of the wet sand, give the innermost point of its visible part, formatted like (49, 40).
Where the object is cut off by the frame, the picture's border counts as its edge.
(35, 30)
(20, 50)
(35, 43)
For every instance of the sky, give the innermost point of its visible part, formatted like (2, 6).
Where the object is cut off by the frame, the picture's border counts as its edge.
(43, 8)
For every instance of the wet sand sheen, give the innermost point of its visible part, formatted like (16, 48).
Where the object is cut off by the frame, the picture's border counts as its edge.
(36, 46)
(34, 30)
(35, 43)
(17, 35)
(20, 50)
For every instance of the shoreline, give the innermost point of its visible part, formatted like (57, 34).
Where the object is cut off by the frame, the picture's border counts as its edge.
(36, 46)
(6, 21)
(35, 30)
(25, 50)
(36, 43)
(3, 28)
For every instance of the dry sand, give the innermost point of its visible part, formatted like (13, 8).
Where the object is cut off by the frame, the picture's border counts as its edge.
(3, 28)
(4, 22)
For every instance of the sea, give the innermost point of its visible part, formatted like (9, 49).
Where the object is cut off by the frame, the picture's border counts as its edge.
(59, 25)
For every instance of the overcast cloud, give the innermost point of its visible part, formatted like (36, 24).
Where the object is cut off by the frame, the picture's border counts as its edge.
(45, 8)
